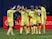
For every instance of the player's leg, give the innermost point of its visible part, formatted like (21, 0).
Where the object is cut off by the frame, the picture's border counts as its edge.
(21, 30)
(12, 24)
(39, 25)
(34, 26)
(35, 29)
(39, 28)
(27, 27)
(8, 32)
(21, 27)
(43, 25)
(32, 30)
(33, 22)
(12, 33)
(43, 28)
(28, 30)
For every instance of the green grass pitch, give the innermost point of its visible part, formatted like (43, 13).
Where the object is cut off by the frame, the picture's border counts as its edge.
(3, 35)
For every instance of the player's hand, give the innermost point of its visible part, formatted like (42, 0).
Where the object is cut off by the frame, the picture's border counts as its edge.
(18, 7)
(14, 7)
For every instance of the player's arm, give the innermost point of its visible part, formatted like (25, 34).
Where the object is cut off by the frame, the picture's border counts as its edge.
(45, 15)
(39, 13)
(18, 8)
(36, 12)
(27, 11)
(13, 11)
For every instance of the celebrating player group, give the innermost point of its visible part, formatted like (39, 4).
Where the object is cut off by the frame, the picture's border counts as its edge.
(37, 17)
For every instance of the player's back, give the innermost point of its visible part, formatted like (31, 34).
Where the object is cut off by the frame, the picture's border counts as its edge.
(23, 14)
(32, 13)
(10, 14)
(43, 10)
(37, 12)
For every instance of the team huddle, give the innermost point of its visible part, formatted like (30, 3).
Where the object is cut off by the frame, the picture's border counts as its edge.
(37, 17)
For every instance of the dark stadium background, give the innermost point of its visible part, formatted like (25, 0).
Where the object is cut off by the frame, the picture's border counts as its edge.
(5, 4)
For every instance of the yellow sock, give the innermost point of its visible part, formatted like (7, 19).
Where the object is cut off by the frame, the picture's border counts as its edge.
(34, 29)
(21, 30)
(39, 29)
(44, 29)
(9, 30)
(12, 32)
(27, 30)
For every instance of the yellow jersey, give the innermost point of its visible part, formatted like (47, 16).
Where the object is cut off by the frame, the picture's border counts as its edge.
(43, 12)
(10, 17)
(24, 15)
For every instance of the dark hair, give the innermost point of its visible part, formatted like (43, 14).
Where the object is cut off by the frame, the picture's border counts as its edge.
(43, 5)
